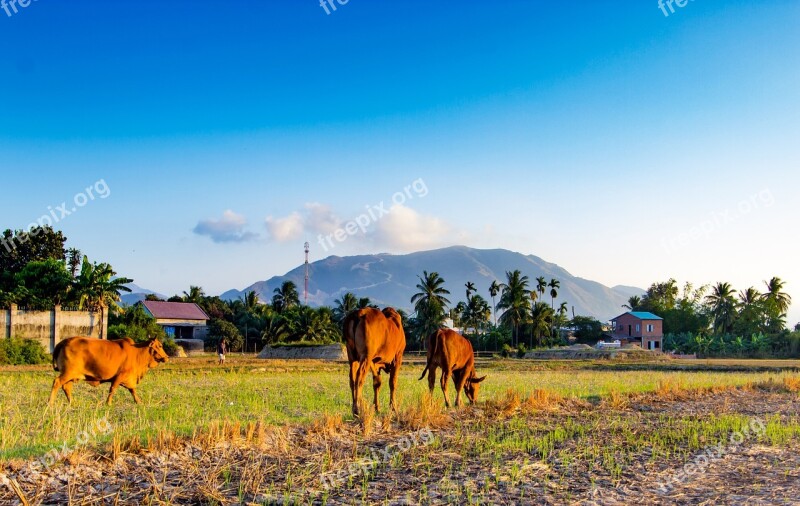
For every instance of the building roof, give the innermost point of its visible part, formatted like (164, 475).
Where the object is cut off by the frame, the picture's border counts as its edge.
(174, 310)
(642, 315)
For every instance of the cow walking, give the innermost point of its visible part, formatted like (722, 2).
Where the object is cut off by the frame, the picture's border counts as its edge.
(375, 342)
(450, 351)
(119, 362)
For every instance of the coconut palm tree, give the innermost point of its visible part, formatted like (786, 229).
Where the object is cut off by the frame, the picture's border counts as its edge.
(285, 297)
(74, 260)
(515, 300)
(250, 301)
(541, 286)
(634, 303)
(97, 287)
(430, 303)
(274, 327)
(723, 307)
(343, 306)
(195, 295)
(470, 289)
(476, 313)
(542, 317)
(494, 289)
(554, 285)
(364, 302)
(777, 303)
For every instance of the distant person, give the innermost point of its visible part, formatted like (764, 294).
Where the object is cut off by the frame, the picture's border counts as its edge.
(221, 349)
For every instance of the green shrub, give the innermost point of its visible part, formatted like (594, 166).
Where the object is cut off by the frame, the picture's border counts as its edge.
(17, 351)
(508, 351)
(521, 350)
(222, 329)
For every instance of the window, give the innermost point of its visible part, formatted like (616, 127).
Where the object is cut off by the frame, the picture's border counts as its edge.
(649, 327)
(638, 327)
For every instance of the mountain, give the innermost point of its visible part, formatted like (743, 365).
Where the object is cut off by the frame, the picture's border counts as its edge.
(136, 294)
(628, 291)
(391, 279)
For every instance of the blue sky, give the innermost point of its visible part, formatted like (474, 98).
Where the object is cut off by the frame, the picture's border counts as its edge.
(623, 144)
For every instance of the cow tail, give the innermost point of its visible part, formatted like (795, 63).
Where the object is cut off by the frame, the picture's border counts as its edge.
(431, 354)
(56, 353)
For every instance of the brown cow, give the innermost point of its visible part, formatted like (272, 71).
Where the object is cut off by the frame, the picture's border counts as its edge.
(120, 362)
(375, 340)
(453, 353)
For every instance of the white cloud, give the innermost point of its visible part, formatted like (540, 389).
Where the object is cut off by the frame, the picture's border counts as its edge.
(403, 229)
(288, 228)
(321, 219)
(229, 228)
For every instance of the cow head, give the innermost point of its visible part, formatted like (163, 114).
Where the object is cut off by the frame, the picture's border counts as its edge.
(157, 352)
(472, 387)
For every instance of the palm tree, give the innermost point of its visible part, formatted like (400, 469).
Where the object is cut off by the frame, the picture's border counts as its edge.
(723, 307)
(777, 302)
(749, 296)
(541, 286)
(554, 285)
(634, 303)
(250, 301)
(494, 289)
(74, 260)
(275, 328)
(516, 301)
(365, 302)
(97, 287)
(344, 306)
(470, 289)
(430, 302)
(195, 295)
(285, 297)
(541, 321)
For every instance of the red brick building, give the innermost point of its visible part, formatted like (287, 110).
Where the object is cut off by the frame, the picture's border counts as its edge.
(640, 327)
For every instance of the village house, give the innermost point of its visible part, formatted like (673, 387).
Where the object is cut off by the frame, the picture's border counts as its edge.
(181, 320)
(639, 327)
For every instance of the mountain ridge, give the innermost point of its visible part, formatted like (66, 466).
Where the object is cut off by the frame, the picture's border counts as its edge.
(389, 279)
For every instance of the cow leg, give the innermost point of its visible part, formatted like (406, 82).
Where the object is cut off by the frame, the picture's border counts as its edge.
(361, 376)
(353, 376)
(67, 387)
(460, 379)
(111, 391)
(376, 386)
(136, 398)
(394, 375)
(431, 379)
(56, 385)
(445, 379)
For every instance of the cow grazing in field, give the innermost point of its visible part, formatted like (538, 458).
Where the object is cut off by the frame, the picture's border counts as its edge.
(375, 341)
(450, 351)
(120, 362)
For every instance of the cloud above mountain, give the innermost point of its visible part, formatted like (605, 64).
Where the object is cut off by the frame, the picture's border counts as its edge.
(230, 228)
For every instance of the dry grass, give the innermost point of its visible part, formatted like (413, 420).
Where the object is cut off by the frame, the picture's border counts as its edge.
(543, 400)
(792, 383)
(428, 413)
(482, 453)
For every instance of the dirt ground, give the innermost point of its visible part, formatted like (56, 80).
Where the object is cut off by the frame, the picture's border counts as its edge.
(434, 457)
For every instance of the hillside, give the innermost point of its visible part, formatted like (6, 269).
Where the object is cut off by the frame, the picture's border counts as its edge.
(391, 279)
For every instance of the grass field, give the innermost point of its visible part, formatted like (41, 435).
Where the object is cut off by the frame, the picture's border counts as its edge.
(537, 425)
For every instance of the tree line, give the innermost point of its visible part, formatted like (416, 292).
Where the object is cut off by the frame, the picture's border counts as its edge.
(37, 271)
(717, 320)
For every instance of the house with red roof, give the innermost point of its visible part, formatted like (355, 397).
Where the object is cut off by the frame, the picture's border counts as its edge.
(181, 320)
(640, 327)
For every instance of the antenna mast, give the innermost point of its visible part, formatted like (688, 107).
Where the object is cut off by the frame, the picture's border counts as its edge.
(306, 246)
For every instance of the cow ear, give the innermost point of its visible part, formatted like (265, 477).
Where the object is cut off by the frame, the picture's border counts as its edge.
(477, 380)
